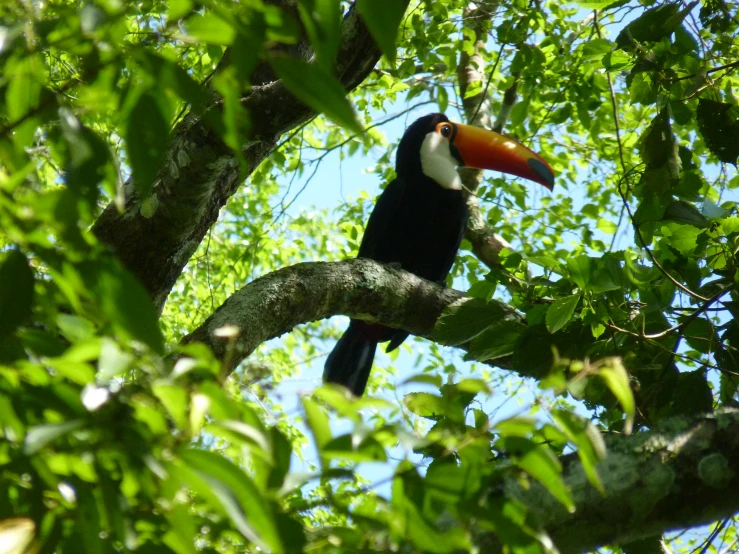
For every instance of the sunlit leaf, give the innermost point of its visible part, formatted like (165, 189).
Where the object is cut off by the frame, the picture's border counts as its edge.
(617, 379)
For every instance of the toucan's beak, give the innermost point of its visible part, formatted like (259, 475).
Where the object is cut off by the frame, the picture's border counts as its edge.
(483, 149)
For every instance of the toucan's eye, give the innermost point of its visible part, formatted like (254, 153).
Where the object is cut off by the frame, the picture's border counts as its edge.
(446, 131)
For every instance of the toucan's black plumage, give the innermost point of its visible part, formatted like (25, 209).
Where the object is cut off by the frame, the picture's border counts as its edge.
(418, 223)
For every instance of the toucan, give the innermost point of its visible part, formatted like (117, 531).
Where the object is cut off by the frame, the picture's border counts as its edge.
(419, 220)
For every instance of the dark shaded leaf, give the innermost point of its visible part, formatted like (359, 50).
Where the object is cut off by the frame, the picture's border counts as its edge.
(463, 321)
(322, 21)
(319, 89)
(125, 301)
(685, 212)
(659, 150)
(691, 394)
(718, 124)
(147, 131)
(16, 291)
(497, 341)
(651, 545)
(383, 18)
(654, 24)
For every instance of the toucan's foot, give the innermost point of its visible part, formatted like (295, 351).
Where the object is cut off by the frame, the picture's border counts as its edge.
(395, 265)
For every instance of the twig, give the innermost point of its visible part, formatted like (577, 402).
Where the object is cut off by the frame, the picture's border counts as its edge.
(614, 104)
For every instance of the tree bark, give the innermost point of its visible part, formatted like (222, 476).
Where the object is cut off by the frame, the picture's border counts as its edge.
(360, 288)
(200, 173)
(683, 474)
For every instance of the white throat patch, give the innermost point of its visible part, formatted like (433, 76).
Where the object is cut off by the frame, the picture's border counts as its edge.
(438, 163)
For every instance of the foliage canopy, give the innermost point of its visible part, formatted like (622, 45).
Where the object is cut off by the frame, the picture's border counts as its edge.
(147, 153)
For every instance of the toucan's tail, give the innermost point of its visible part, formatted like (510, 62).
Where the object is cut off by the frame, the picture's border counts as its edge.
(350, 362)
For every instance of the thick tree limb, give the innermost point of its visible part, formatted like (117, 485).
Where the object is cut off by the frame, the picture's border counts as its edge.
(364, 289)
(200, 173)
(683, 474)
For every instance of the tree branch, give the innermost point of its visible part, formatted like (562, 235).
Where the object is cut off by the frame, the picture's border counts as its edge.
(360, 288)
(200, 173)
(681, 475)
(486, 244)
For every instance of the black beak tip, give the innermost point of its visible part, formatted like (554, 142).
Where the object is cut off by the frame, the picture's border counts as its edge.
(543, 171)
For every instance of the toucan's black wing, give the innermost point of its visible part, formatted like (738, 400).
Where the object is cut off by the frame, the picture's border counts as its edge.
(457, 225)
(378, 234)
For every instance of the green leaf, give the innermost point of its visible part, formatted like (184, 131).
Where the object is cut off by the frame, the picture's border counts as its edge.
(616, 378)
(596, 48)
(560, 312)
(88, 526)
(718, 123)
(659, 150)
(347, 449)
(113, 361)
(608, 227)
(16, 291)
(497, 341)
(147, 133)
(426, 405)
(175, 400)
(684, 238)
(86, 156)
(580, 271)
(210, 28)
(654, 24)
(317, 421)
(178, 8)
(238, 496)
(685, 212)
(318, 89)
(282, 451)
(125, 301)
(383, 18)
(322, 21)
(728, 385)
(245, 433)
(541, 463)
(427, 378)
(594, 5)
(23, 91)
(41, 435)
(591, 447)
(466, 319)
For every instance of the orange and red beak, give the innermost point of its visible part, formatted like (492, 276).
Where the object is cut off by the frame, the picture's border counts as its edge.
(483, 149)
